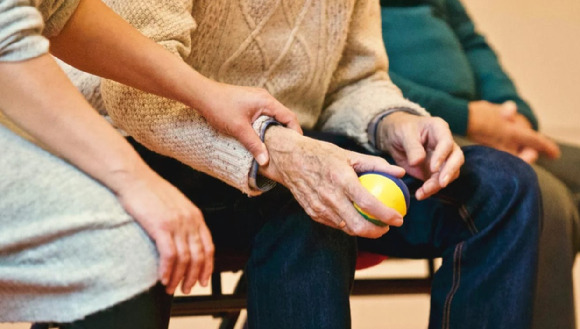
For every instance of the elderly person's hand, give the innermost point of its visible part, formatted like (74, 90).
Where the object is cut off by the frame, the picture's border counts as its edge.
(322, 177)
(423, 146)
(500, 126)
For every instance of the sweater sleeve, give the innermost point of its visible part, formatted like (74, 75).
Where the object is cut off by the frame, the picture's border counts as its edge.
(361, 88)
(493, 84)
(169, 127)
(21, 26)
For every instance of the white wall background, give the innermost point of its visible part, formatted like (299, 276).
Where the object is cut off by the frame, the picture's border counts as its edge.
(539, 44)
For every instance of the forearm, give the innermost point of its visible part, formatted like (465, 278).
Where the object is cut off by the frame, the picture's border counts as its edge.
(98, 41)
(170, 128)
(57, 116)
(361, 88)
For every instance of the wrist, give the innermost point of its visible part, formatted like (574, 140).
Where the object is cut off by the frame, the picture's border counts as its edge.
(127, 175)
(384, 127)
(200, 92)
(279, 141)
(475, 124)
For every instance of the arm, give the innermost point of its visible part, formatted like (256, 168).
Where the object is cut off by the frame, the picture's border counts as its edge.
(98, 41)
(322, 177)
(493, 84)
(57, 116)
(361, 88)
(502, 119)
(173, 128)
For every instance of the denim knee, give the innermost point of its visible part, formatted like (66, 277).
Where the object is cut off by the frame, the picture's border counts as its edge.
(501, 174)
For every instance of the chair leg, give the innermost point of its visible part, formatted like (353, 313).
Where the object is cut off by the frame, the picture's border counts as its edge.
(431, 267)
(43, 326)
(39, 326)
(230, 319)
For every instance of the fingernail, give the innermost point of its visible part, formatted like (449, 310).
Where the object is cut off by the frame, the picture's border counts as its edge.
(398, 222)
(419, 194)
(445, 180)
(262, 159)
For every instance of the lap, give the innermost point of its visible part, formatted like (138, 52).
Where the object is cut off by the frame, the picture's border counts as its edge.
(565, 168)
(67, 248)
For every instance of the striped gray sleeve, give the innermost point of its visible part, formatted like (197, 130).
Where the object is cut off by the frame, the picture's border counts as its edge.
(21, 26)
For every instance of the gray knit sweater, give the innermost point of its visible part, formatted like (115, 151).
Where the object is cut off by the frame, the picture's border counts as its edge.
(67, 247)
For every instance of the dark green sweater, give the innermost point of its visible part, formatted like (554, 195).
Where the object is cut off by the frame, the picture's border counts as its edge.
(439, 61)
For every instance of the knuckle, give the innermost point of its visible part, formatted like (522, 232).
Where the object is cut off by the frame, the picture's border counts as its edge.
(193, 213)
(439, 121)
(169, 254)
(185, 257)
(209, 251)
(364, 203)
(198, 256)
(357, 227)
(317, 208)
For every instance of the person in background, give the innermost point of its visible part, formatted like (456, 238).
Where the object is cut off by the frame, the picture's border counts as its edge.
(440, 61)
(94, 238)
(326, 61)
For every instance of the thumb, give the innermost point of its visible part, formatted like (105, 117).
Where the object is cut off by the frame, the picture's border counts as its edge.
(252, 142)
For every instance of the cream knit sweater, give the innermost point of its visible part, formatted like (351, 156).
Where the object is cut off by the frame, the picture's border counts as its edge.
(323, 59)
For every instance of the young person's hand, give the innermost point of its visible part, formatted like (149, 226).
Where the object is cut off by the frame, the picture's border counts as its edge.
(175, 224)
(232, 110)
(60, 118)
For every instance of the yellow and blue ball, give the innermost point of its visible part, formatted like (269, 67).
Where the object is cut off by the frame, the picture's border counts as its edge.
(390, 190)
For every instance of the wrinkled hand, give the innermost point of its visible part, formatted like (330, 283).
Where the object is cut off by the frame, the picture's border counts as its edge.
(232, 110)
(176, 225)
(500, 126)
(322, 177)
(423, 146)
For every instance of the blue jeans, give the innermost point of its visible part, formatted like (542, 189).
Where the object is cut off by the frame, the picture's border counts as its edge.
(485, 225)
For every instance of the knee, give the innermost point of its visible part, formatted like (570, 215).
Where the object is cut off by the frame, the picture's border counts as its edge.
(501, 171)
(560, 214)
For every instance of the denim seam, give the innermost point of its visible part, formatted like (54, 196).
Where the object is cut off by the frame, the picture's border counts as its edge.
(463, 213)
(466, 216)
(454, 287)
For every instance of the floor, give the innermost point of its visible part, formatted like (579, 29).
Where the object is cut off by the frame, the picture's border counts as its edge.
(401, 312)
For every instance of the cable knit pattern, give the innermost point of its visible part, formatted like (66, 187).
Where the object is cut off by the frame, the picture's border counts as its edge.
(324, 59)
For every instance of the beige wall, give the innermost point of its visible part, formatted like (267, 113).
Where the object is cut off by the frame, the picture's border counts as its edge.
(539, 44)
